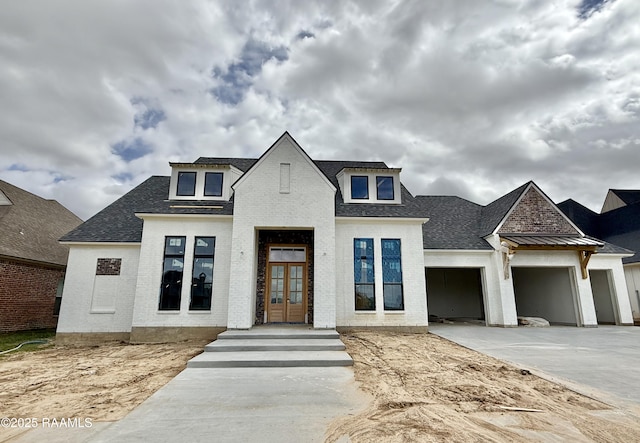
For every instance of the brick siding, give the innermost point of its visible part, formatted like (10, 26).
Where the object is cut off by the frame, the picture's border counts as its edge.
(535, 215)
(27, 296)
(108, 266)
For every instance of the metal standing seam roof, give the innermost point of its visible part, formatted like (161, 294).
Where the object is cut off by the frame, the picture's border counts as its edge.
(551, 240)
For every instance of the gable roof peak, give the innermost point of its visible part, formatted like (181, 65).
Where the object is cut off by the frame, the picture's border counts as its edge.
(285, 136)
(535, 213)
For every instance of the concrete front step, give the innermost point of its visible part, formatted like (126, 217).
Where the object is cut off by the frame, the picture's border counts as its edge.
(261, 359)
(272, 344)
(268, 332)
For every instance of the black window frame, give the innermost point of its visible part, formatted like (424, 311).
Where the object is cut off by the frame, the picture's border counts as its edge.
(364, 301)
(171, 284)
(366, 177)
(201, 289)
(58, 301)
(192, 192)
(206, 177)
(393, 191)
(386, 284)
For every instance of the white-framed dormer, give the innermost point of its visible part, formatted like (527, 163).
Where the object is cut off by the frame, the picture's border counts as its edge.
(370, 185)
(191, 181)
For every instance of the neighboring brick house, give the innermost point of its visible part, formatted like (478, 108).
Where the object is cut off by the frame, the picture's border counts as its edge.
(32, 261)
(619, 223)
(236, 242)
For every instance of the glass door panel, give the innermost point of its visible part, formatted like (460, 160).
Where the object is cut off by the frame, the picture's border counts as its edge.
(286, 295)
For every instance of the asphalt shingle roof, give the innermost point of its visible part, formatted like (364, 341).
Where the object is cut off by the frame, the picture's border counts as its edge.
(454, 223)
(620, 228)
(583, 217)
(408, 209)
(118, 222)
(31, 225)
(628, 196)
(244, 164)
(496, 211)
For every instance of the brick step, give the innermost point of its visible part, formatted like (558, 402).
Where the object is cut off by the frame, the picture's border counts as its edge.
(273, 344)
(263, 359)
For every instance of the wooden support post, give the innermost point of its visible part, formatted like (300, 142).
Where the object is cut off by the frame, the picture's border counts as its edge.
(584, 261)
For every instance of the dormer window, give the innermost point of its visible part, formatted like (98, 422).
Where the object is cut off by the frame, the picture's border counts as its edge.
(359, 187)
(186, 184)
(365, 185)
(202, 181)
(213, 184)
(384, 188)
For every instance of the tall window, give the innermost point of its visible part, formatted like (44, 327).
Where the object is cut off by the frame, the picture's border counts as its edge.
(363, 274)
(213, 184)
(58, 302)
(392, 275)
(359, 187)
(384, 188)
(186, 184)
(202, 280)
(172, 273)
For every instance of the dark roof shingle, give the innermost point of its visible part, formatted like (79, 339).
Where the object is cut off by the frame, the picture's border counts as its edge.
(454, 223)
(31, 225)
(620, 227)
(118, 222)
(496, 211)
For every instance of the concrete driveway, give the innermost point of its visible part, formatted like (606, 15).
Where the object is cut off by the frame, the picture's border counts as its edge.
(603, 362)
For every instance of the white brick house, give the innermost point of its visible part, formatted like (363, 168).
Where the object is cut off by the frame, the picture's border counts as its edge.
(232, 243)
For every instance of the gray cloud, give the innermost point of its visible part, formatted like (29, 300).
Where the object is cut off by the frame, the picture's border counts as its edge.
(472, 98)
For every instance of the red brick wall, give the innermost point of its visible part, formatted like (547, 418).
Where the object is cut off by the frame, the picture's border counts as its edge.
(534, 214)
(27, 296)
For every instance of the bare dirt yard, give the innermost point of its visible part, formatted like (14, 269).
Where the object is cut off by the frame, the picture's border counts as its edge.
(428, 389)
(102, 382)
(423, 388)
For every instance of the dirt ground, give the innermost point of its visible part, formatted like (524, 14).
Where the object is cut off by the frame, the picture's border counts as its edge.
(102, 382)
(423, 388)
(428, 389)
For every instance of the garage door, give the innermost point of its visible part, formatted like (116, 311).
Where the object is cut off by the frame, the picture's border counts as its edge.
(602, 297)
(546, 293)
(455, 293)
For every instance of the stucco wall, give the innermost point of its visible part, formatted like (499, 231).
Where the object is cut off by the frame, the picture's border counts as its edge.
(499, 303)
(80, 310)
(618, 285)
(145, 310)
(259, 203)
(632, 276)
(415, 301)
(499, 297)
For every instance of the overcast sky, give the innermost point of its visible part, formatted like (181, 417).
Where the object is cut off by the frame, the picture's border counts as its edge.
(470, 98)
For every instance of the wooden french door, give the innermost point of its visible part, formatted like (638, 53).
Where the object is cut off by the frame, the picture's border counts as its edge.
(286, 292)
